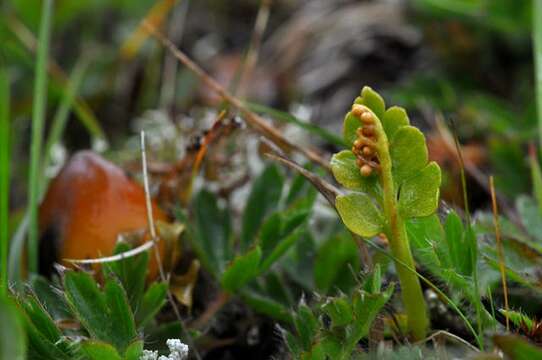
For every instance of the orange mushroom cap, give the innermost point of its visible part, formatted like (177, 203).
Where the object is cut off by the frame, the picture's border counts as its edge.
(88, 204)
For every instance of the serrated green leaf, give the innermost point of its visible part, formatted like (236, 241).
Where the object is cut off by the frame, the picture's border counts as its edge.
(365, 307)
(408, 153)
(131, 272)
(306, 324)
(120, 315)
(263, 199)
(88, 303)
(419, 194)
(153, 300)
(13, 338)
(350, 126)
(97, 350)
(372, 100)
(106, 316)
(394, 118)
(339, 311)
(41, 319)
(346, 172)
(359, 214)
(242, 270)
(50, 298)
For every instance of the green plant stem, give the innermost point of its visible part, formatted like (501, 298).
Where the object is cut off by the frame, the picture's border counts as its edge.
(4, 179)
(537, 47)
(38, 119)
(411, 290)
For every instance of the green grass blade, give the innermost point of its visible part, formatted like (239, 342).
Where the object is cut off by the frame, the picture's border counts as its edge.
(537, 50)
(4, 179)
(38, 119)
(288, 118)
(63, 111)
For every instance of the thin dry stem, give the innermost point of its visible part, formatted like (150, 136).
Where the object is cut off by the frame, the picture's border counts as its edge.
(254, 120)
(255, 43)
(124, 255)
(500, 251)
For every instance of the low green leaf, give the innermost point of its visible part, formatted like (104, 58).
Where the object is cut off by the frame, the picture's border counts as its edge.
(419, 194)
(50, 298)
(120, 315)
(394, 118)
(212, 233)
(336, 260)
(88, 303)
(359, 214)
(306, 324)
(517, 348)
(134, 350)
(270, 233)
(13, 338)
(263, 199)
(530, 216)
(366, 306)
(372, 100)
(536, 178)
(426, 237)
(408, 153)
(153, 300)
(97, 350)
(455, 240)
(339, 311)
(265, 305)
(131, 272)
(106, 316)
(346, 172)
(242, 270)
(281, 248)
(41, 319)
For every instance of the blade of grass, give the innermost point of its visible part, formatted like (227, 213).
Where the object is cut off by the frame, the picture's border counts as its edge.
(500, 251)
(156, 16)
(537, 50)
(38, 119)
(57, 129)
(63, 111)
(288, 118)
(473, 245)
(4, 179)
(58, 78)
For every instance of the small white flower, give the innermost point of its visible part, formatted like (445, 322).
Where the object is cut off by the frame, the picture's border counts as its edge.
(177, 351)
(149, 355)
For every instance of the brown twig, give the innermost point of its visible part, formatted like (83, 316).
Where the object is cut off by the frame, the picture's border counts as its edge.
(217, 304)
(254, 120)
(500, 251)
